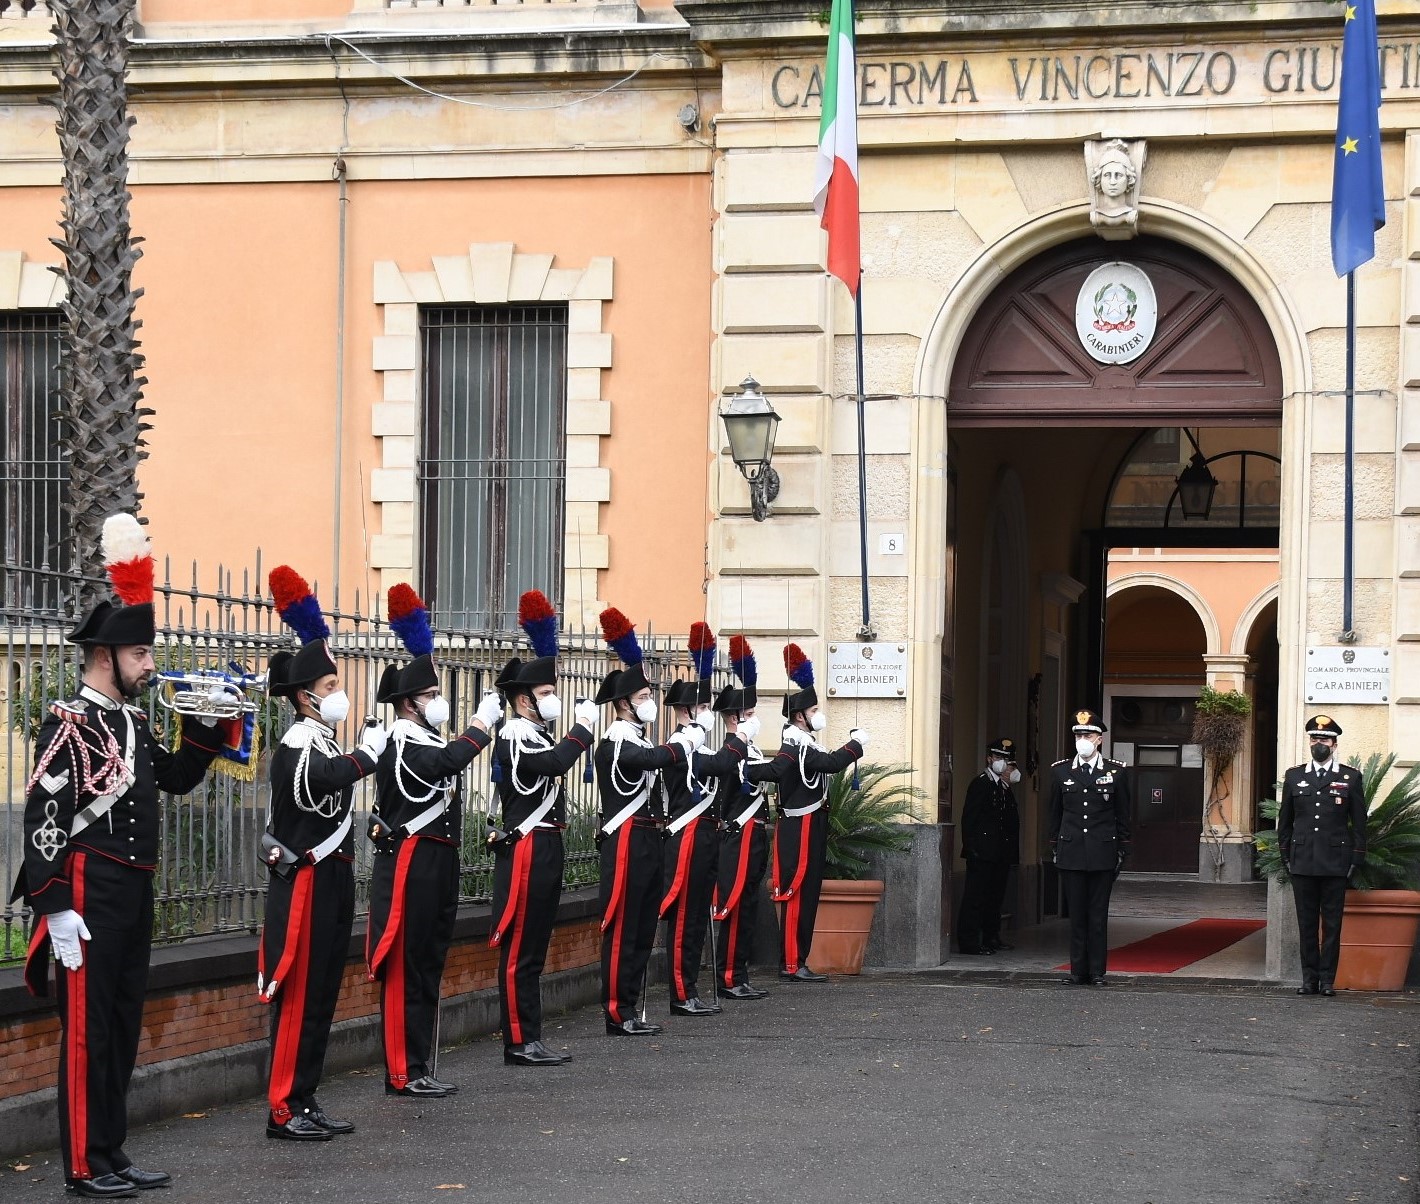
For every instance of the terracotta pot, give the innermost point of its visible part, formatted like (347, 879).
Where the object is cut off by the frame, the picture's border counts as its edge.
(1377, 938)
(845, 914)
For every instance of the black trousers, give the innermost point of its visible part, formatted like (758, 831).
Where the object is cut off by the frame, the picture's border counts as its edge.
(311, 914)
(101, 1013)
(691, 862)
(800, 844)
(744, 856)
(1320, 901)
(527, 886)
(981, 899)
(630, 895)
(414, 899)
(1087, 897)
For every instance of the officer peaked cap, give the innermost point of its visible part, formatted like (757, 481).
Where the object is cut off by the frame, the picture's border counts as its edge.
(1088, 721)
(1323, 725)
(1005, 746)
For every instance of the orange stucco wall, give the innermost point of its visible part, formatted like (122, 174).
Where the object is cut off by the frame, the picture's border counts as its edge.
(240, 10)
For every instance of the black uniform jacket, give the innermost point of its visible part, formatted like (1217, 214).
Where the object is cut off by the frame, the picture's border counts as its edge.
(1321, 825)
(990, 823)
(709, 769)
(1089, 814)
(531, 764)
(419, 766)
(735, 790)
(626, 765)
(313, 787)
(93, 727)
(801, 769)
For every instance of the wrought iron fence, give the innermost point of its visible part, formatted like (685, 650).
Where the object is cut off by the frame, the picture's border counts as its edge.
(210, 879)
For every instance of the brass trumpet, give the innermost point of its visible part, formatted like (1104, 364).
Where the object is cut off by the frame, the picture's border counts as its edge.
(194, 693)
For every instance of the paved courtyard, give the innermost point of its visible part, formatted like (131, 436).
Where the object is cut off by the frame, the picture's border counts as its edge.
(895, 1087)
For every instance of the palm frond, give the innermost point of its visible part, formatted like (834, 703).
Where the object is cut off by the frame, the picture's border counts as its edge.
(863, 821)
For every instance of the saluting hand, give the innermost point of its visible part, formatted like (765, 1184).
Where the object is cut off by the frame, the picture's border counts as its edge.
(586, 714)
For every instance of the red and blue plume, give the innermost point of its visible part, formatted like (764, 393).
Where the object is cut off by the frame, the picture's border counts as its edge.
(297, 606)
(618, 632)
(539, 620)
(702, 649)
(798, 666)
(409, 619)
(742, 661)
(128, 557)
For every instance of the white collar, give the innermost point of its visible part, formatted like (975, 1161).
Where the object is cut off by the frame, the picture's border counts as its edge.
(619, 730)
(1094, 762)
(794, 734)
(98, 696)
(993, 775)
(319, 724)
(415, 733)
(1319, 767)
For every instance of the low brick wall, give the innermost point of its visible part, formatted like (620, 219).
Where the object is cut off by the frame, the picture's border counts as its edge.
(204, 1038)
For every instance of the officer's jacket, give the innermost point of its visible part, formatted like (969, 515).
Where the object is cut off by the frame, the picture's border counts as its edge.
(532, 766)
(990, 823)
(801, 769)
(112, 746)
(626, 764)
(704, 771)
(420, 769)
(1321, 825)
(1089, 814)
(313, 787)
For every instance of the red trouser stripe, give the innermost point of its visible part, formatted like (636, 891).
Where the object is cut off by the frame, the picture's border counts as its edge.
(741, 875)
(515, 913)
(76, 1038)
(396, 1053)
(394, 922)
(731, 944)
(615, 911)
(791, 898)
(295, 961)
(677, 891)
(682, 866)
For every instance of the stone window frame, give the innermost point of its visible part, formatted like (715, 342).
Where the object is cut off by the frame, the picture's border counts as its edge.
(493, 274)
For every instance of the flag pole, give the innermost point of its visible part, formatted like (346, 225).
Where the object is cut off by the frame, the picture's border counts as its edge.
(865, 632)
(1348, 545)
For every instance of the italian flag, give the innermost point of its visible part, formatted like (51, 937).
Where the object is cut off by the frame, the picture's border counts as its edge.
(836, 172)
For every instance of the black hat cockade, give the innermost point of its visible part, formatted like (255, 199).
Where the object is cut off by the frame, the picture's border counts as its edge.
(409, 619)
(1004, 747)
(128, 559)
(1324, 725)
(741, 696)
(620, 636)
(1088, 721)
(288, 672)
(801, 673)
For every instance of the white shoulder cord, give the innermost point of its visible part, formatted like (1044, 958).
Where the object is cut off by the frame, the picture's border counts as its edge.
(516, 746)
(445, 785)
(633, 785)
(328, 805)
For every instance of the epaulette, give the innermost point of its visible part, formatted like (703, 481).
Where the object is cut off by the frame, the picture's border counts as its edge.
(129, 707)
(1114, 761)
(1302, 765)
(74, 710)
(298, 735)
(1062, 761)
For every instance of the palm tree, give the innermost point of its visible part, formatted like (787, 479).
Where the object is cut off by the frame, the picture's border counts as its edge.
(101, 388)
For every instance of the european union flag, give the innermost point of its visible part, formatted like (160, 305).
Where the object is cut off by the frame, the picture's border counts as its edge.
(1357, 189)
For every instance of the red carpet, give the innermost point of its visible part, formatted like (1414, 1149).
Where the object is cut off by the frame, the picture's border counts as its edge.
(1165, 952)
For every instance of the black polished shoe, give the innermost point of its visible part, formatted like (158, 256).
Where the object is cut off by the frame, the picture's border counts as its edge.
(693, 1006)
(329, 1123)
(1309, 988)
(743, 991)
(424, 1088)
(448, 1088)
(298, 1128)
(1327, 989)
(1074, 980)
(998, 947)
(143, 1180)
(983, 951)
(531, 1053)
(1101, 981)
(631, 1028)
(104, 1187)
(803, 974)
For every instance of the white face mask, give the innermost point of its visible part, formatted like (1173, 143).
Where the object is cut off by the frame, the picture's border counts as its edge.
(1014, 776)
(1086, 748)
(436, 711)
(550, 708)
(646, 710)
(818, 722)
(998, 767)
(333, 707)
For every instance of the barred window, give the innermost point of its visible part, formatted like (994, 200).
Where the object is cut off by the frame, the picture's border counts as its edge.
(33, 462)
(493, 464)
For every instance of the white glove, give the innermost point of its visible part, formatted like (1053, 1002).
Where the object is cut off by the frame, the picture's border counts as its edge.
(373, 739)
(689, 737)
(859, 735)
(748, 729)
(216, 696)
(66, 930)
(490, 710)
(586, 713)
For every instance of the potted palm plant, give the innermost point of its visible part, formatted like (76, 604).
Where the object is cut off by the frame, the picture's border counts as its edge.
(1382, 915)
(862, 820)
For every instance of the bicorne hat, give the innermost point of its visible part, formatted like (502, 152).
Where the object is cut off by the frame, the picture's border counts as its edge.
(128, 559)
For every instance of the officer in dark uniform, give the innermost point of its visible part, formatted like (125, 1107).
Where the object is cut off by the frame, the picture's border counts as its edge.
(91, 847)
(744, 839)
(990, 844)
(802, 769)
(692, 849)
(417, 830)
(309, 849)
(529, 767)
(1321, 833)
(631, 827)
(1089, 835)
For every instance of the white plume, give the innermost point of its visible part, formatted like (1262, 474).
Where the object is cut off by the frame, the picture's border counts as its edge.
(123, 539)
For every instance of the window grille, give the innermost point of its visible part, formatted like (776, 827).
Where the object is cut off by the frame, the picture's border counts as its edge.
(493, 465)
